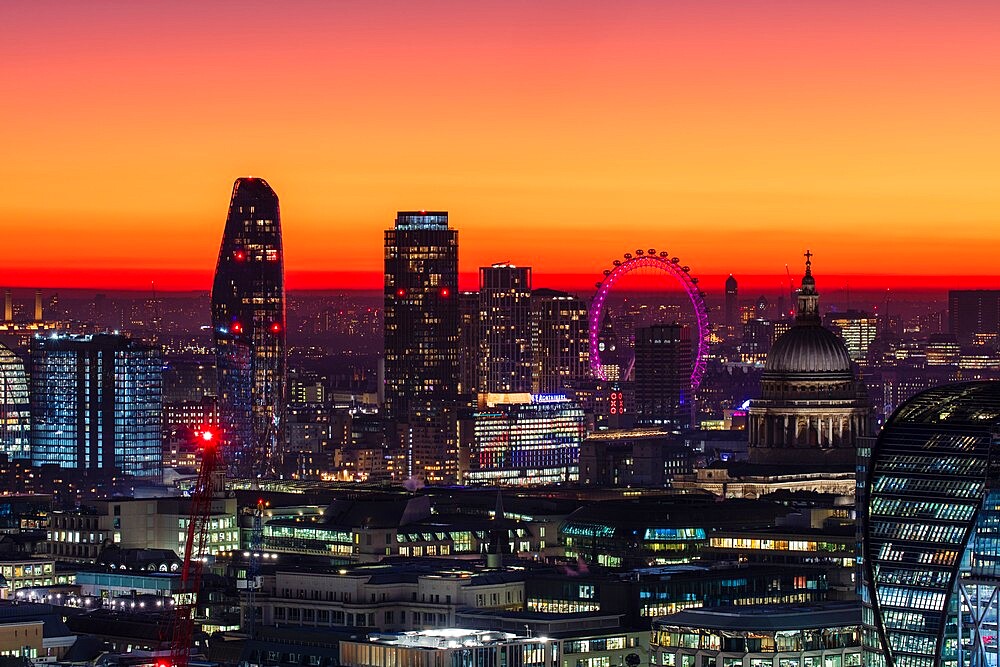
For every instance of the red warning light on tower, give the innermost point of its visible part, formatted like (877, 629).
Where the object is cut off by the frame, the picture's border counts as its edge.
(239, 255)
(237, 328)
(275, 327)
(445, 292)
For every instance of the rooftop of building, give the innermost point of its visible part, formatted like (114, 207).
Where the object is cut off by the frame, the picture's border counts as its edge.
(444, 638)
(767, 618)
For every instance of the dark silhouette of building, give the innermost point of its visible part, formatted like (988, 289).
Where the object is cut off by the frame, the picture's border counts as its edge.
(972, 312)
(468, 335)
(663, 361)
(732, 302)
(421, 342)
(504, 329)
(96, 403)
(559, 340)
(248, 318)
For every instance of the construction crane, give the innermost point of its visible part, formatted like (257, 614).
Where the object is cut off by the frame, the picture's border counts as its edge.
(210, 478)
(791, 289)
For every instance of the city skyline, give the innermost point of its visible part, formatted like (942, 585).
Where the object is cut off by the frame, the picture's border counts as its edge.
(846, 130)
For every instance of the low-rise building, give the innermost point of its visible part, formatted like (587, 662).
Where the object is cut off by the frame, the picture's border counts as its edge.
(137, 523)
(25, 572)
(823, 635)
(400, 596)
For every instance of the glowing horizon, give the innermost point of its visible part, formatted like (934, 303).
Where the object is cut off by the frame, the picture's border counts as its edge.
(556, 135)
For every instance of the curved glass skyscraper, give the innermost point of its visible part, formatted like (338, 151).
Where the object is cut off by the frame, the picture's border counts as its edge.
(931, 554)
(14, 411)
(248, 317)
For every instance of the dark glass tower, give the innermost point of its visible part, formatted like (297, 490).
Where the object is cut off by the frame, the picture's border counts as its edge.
(732, 301)
(504, 329)
(96, 403)
(663, 360)
(248, 317)
(421, 341)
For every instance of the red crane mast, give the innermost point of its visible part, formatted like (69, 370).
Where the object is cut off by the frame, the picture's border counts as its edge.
(195, 550)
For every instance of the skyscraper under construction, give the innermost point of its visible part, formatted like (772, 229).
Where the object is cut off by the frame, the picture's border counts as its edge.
(248, 318)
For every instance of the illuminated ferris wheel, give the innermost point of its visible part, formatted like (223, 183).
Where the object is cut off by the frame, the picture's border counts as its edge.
(669, 266)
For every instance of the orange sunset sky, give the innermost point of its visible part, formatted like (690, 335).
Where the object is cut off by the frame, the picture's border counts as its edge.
(557, 134)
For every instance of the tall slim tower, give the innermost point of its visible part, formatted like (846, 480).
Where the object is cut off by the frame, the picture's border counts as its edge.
(504, 329)
(732, 302)
(248, 318)
(421, 341)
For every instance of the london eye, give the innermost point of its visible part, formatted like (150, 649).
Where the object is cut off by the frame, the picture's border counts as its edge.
(669, 267)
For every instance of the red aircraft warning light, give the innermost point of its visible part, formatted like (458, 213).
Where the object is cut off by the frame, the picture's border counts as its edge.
(237, 328)
(276, 327)
(445, 292)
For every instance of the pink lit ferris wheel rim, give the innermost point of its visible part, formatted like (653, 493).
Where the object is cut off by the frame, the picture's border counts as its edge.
(672, 267)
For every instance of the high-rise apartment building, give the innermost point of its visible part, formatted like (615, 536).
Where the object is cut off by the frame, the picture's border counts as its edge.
(248, 319)
(421, 341)
(560, 344)
(663, 360)
(96, 404)
(504, 328)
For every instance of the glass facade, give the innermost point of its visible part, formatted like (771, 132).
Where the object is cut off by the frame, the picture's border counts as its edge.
(930, 527)
(14, 410)
(536, 442)
(248, 319)
(96, 403)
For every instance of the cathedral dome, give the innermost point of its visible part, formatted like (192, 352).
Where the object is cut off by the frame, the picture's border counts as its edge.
(808, 349)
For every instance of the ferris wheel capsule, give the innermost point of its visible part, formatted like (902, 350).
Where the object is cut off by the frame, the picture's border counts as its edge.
(686, 269)
(628, 255)
(607, 272)
(664, 254)
(638, 251)
(597, 285)
(651, 251)
(675, 260)
(693, 279)
(617, 262)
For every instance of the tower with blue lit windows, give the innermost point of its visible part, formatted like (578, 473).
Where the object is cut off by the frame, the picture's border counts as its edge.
(248, 320)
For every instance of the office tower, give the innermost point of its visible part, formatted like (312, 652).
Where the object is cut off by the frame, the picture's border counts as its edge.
(15, 417)
(522, 439)
(663, 360)
(8, 306)
(858, 329)
(468, 339)
(812, 407)
(504, 328)
(248, 319)
(96, 404)
(732, 302)
(560, 346)
(38, 305)
(931, 557)
(421, 341)
(972, 312)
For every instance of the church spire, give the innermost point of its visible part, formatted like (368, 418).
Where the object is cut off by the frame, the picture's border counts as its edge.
(808, 298)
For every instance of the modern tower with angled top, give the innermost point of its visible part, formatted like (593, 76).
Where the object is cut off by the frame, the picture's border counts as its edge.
(248, 319)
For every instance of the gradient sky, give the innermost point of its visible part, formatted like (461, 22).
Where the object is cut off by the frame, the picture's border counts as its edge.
(557, 134)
